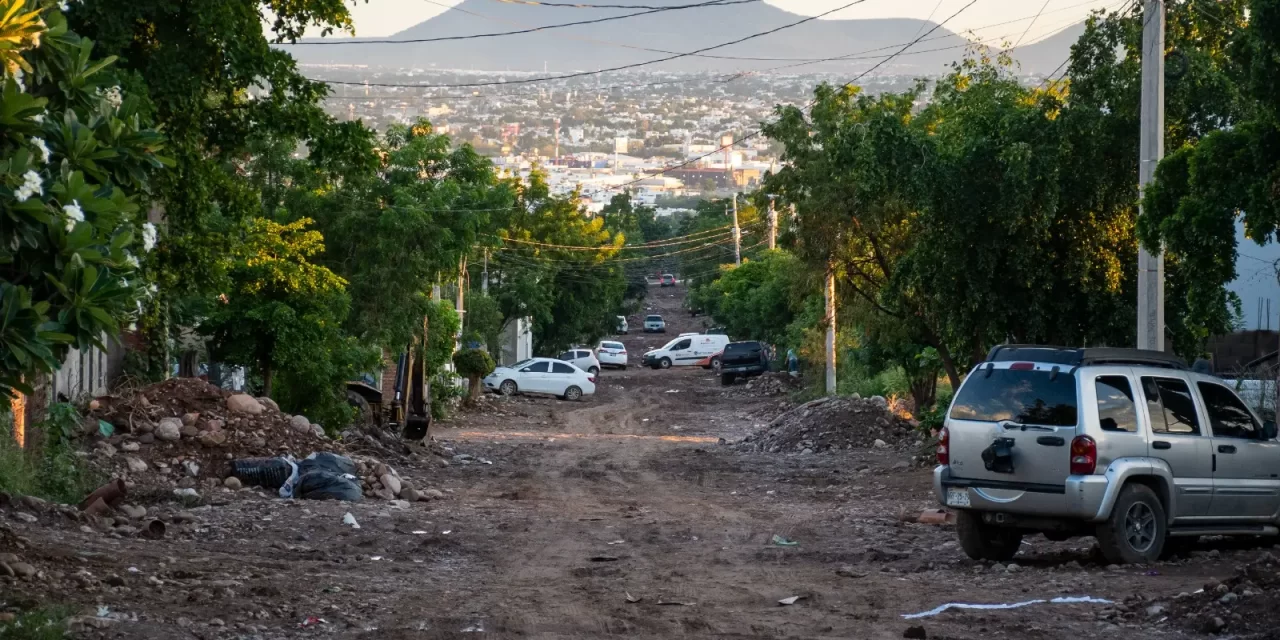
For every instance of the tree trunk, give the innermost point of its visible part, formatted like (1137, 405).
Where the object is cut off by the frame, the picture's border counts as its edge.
(267, 375)
(473, 390)
(948, 364)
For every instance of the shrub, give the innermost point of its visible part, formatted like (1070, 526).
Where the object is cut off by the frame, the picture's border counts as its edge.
(48, 467)
(474, 364)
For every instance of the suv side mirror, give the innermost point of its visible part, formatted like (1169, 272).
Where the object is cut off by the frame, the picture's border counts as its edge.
(1269, 430)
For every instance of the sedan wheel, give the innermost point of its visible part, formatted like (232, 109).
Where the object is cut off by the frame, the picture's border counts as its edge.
(508, 387)
(573, 394)
(595, 371)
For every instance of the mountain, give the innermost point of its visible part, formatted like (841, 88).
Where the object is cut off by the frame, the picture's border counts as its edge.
(622, 42)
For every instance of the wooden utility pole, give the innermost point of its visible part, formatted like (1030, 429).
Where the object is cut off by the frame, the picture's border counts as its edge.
(737, 234)
(773, 225)
(484, 283)
(1150, 151)
(830, 291)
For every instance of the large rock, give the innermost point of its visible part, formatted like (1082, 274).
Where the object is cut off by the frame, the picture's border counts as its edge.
(243, 403)
(300, 424)
(391, 482)
(213, 439)
(136, 465)
(169, 429)
(189, 431)
(190, 418)
(433, 494)
(269, 403)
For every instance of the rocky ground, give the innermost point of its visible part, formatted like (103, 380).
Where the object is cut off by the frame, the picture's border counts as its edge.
(633, 513)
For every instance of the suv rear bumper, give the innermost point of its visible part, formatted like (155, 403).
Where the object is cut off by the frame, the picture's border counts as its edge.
(1080, 497)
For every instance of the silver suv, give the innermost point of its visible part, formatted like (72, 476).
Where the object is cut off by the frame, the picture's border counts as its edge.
(1126, 445)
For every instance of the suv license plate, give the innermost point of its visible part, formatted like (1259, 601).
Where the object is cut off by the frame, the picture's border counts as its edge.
(957, 497)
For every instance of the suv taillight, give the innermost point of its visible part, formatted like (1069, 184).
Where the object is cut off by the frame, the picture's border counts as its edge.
(1084, 456)
(944, 446)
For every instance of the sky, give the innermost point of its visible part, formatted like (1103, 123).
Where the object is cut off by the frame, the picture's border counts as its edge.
(386, 17)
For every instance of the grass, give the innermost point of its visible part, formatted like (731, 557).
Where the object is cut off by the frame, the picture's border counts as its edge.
(48, 467)
(38, 624)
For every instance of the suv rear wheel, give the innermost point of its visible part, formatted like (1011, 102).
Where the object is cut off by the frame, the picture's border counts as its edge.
(982, 541)
(1135, 532)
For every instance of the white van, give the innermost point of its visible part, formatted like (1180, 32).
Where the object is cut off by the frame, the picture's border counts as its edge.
(697, 349)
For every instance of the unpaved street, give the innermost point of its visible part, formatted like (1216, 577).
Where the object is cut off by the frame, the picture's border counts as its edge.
(623, 515)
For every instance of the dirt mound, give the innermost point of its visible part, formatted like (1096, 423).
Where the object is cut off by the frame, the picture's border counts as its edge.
(769, 384)
(185, 430)
(835, 423)
(1246, 603)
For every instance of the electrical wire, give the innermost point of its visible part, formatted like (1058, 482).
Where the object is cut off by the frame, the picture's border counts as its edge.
(657, 244)
(620, 68)
(475, 36)
(575, 5)
(1033, 22)
(759, 132)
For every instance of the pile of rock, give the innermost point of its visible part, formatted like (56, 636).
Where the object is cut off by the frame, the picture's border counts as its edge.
(1246, 603)
(769, 384)
(184, 430)
(838, 423)
(382, 481)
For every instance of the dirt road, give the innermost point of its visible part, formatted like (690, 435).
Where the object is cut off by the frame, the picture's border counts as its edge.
(623, 515)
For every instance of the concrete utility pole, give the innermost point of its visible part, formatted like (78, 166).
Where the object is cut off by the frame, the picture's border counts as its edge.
(737, 234)
(773, 225)
(1150, 151)
(830, 291)
(484, 282)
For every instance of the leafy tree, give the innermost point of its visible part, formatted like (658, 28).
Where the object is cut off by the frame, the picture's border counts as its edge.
(484, 322)
(284, 315)
(760, 299)
(206, 72)
(75, 156)
(473, 364)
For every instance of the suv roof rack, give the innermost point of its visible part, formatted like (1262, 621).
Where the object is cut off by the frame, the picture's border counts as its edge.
(1076, 357)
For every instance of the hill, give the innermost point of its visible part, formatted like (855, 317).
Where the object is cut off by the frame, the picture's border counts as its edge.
(647, 37)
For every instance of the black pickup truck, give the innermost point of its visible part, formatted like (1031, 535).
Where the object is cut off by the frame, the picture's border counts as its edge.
(745, 359)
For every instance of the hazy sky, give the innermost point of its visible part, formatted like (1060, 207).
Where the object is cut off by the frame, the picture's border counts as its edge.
(385, 17)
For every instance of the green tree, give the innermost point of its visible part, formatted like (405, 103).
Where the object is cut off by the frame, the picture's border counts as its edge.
(473, 364)
(75, 157)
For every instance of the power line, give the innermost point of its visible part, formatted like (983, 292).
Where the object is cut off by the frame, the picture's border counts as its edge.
(342, 42)
(600, 71)
(575, 5)
(1033, 22)
(758, 132)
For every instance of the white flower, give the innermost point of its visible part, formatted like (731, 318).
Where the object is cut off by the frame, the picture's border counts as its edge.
(153, 289)
(43, 148)
(31, 186)
(17, 77)
(39, 118)
(148, 237)
(132, 261)
(113, 97)
(133, 326)
(74, 214)
(64, 6)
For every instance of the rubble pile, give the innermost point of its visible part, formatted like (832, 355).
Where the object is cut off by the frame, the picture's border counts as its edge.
(184, 430)
(829, 424)
(1246, 603)
(769, 384)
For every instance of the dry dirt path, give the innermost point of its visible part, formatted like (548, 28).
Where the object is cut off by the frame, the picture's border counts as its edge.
(620, 516)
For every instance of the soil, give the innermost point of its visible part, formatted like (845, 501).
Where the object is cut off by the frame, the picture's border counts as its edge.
(630, 514)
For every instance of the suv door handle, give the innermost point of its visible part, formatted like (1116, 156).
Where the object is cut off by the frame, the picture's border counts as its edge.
(1051, 441)
(1161, 444)
(1226, 448)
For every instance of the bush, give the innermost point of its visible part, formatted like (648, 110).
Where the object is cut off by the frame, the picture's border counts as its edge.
(48, 467)
(474, 364)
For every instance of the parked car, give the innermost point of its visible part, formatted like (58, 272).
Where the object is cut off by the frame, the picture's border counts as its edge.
(654, 324)
(622, 326)
(1126, 445)
(583, 359)
(686, 351)
(668, 280)
(542, 376)
(612, 354)
(742, 360)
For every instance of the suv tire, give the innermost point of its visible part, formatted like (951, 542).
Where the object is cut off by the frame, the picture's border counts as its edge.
(664, 363)
(982, 541)
(1135, 532)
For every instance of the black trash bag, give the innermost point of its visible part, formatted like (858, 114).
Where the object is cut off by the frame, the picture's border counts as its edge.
(326, 461)
(271, 473)
(325, 485)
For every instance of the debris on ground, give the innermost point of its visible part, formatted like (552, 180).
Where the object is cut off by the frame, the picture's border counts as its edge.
(773, 383)
(1008, 605)
(1245, 603)
(828, 424)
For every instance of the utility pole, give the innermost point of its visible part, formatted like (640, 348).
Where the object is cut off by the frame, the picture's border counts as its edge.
(737, 234)
(773, 225)
(1150, 151)
(830, 291)
(484, 282)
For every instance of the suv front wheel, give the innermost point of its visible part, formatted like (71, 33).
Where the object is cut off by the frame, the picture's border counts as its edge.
(982, 541)
(1135, 532)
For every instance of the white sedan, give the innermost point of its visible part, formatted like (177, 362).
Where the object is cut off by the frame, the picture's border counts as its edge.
(542, 375)
(612, 354)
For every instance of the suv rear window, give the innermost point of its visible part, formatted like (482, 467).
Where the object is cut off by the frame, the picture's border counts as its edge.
(742, 348)
(653, 319)
(1022, 397)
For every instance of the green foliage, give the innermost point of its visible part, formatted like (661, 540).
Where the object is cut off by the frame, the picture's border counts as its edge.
(932, 418)
(49, 467)
(48, 623)
(759, 300)
(484, 322)
(442, 331)
(473, 364)
(74, 156)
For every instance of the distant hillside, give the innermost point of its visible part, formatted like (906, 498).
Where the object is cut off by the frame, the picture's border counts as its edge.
(589, 47)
